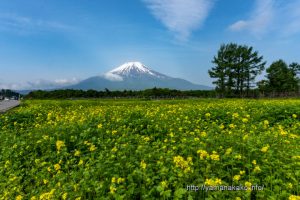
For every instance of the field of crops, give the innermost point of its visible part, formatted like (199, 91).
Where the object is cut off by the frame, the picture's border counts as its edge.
(134, 149)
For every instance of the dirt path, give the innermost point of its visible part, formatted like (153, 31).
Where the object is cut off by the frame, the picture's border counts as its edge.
(8, 104)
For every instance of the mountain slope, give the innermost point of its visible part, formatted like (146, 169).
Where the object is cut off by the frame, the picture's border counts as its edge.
(135, 76)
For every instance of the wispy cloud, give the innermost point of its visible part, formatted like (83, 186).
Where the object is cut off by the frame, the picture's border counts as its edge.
(39, 84)
(260, 19)
(292, 15)
(24, 25)
(180, 16)
(277, 16)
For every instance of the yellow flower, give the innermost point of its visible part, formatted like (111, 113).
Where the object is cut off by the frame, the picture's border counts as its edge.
(248, 185)
(266, 122)
(80, 162)
(19, 197)
(211, 182)
(238, 198)
(254, 162)
(221, 126)
(114, 149)
(112, 189)
(146, 139)
(7, 163)
(59, 144)
(113, 179)
(218, 181)
(75, 187)
(64, 196)
(228, 151)
(215, 156)
(45, 181)
(77, 153)
(120, 180)
(245, 137)
(47, 195)
(242, 172)
(164, 184)
(99, 126)
(294, 116)
(231, 126)
(203, 134)
(203, 154)
(207, 115)
(283, 132)
(92, 148)
(265, 149)
(236, 177)
(294, 197)
(143, 165)
(239, 157)
(245, 120)
(57, 167)
(235, 115)
(13, 178)
(33, 198)
(257, 169)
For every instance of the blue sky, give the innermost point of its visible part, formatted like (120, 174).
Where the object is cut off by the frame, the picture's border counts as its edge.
(57, 42)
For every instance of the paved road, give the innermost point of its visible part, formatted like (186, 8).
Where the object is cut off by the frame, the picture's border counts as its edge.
(8, 104)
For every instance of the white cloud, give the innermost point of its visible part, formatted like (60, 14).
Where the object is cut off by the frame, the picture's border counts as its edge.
(279, 17)
(22, 24)
(180, 16)
(112, 77)
(39, 84)
(260, 19)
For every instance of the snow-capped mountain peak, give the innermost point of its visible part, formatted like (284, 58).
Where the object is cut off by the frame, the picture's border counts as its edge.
(131, 67)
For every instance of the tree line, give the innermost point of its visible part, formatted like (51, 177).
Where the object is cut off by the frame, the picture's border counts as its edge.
(236, 68)
(154, 93)
(9, 94)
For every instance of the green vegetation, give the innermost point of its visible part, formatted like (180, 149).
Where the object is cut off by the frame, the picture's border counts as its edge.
(8, 93)
(146, 94)
(236, 68)
(281, 78)
(92, 149)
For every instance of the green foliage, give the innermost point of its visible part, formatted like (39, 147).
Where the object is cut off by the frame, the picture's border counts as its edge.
(236, 68)
(104, 149)
(144, 94)
(8, 93)
(281, 78)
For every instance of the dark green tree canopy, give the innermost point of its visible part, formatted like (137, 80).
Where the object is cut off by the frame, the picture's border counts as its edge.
(235, 69)
(282, 77)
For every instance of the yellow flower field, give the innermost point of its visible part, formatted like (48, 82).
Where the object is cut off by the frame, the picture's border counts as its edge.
(135, 149)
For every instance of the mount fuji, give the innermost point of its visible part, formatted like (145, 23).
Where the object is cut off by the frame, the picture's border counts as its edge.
(135, 76)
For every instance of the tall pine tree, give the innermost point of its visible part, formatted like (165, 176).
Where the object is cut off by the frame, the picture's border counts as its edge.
(236, 68)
